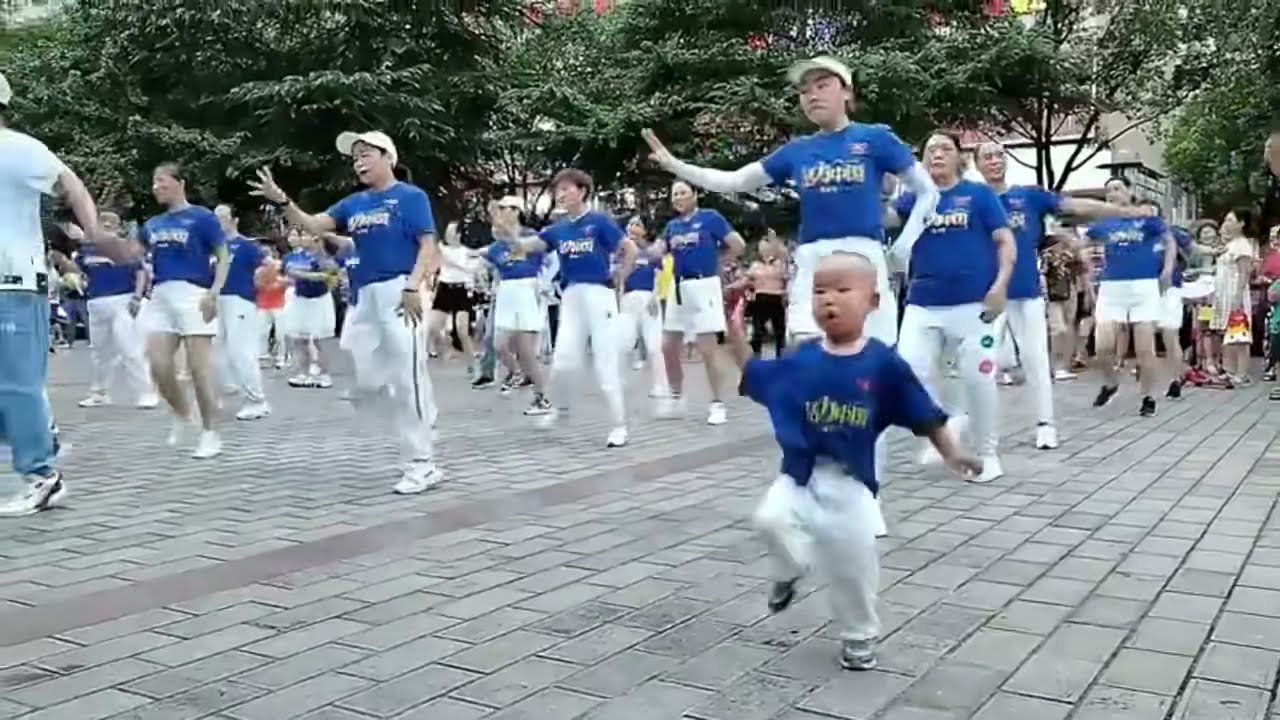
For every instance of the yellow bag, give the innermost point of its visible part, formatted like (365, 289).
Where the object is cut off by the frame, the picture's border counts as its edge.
(1204, 313)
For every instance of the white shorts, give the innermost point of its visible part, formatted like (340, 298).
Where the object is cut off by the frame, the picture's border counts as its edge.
(175, 310)
(697, 308)
(516, 307)
(1171, 310)
(881, 324)
(308, 318)
(1129, 301)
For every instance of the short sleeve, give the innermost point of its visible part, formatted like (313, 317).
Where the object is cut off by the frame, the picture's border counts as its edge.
(341, 213)
(491, 253)
(908, 404)
(718, 226)
(1050, 203)
(990, 211)
(1156, 227)
(760, 378)
(610, 234)
(144, 235)
(891, 153)
(45, 167)
(416, 208)
(780, 163)
(1095, 233)
(903, 204)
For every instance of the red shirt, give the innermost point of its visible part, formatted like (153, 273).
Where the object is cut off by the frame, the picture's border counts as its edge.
(1271, 265)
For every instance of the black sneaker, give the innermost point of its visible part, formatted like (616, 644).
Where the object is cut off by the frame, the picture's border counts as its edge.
(1175, 390)
(1105, 393)
(540, 406)
(781, 595)
(483, 381)
(1148, 407)
(509, 383)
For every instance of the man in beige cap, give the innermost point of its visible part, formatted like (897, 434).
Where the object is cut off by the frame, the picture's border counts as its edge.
(29, 170)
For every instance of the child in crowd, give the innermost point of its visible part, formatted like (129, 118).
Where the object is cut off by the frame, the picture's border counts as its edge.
(828, 401)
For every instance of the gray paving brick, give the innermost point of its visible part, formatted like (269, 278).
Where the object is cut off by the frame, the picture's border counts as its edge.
(501, 651)
(195, 703)
(515, 682)
(550, 703)
(1170, 636)
(1208, 700)
(619, 674)
(181, 679)
(297, 700)
(597, 644)
(67, 687)
(754, 697)
(1239, 665)
(1145, 671)
(297, 668)
(653, 699)
(230, 638)
(1252, 630)
(101, 704)
(398, 632)
(1004, 706)
(405, 658)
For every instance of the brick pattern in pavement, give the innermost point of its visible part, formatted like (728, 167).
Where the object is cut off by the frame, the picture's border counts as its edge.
(1132, 574)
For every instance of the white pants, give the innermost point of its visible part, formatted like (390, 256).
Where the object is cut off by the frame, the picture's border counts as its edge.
(881, 324)
(516, 308)
(308, 318)
(830, 523)
(387, 352)
(236, 347)
(269, 320)
(697, 308)
(1171, 310)
(1027, 321)
(588, 312)
(637, 321)
(927, 331)
(116, 342)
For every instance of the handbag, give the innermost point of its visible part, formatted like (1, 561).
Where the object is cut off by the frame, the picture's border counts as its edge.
(1237, 332)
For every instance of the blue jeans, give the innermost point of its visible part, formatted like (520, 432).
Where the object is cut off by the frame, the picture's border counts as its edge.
(24, 361)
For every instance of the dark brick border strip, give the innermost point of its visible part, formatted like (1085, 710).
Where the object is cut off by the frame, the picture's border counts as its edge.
(19, 626)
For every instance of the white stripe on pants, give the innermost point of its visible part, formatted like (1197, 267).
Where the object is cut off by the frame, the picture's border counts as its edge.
(237, 346)
(927, 331)
(396, 356)
(1027, 321)
(588, 312)
(828, 525)
(116, 341)
(637, 321)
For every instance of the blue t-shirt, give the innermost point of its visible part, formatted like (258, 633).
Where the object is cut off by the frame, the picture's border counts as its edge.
(643, 274)
(955, 261)
(839, 177)
(1182, 239)
(181, 243)
(1132, 247)
(512, 264)
(387, 227)
(833, 407)
(300, 260)
(246, 256)
(1027, 206)
(586, 245)
(694, 243)
(104, 277)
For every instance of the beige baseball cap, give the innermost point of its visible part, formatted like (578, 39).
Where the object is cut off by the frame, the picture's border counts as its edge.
(347, 140)
(821, 63)
(6, 91)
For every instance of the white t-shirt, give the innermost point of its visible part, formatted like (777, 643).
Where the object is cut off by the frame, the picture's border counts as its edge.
(27, 170)
(456, 267)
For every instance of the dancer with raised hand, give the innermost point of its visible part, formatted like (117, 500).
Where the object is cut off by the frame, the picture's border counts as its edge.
(391, 224)
(1027, 206)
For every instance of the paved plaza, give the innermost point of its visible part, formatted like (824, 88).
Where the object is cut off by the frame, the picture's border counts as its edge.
(1134, 574)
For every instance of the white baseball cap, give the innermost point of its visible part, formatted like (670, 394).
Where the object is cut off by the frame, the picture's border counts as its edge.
(511, 201)
(376, 138)
(6, 92)
(823, 63)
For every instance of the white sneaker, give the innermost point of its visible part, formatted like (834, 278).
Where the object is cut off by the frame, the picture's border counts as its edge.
(1046, 437)
(279, 363)
(38, 493)
(322, 381)
(716, 414)
(991, 470)
(930, 456)
(659, 391)
(95, 400)
(637, 365)
(617, 437)
(254, 411)
(672, 406)
(1064, 375)
(549, 419)
(299, 380)
(209, 446)
(150, 401)
(418, 476)
(178, 430)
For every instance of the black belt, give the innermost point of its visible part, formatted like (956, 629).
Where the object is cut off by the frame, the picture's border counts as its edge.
(682, 278)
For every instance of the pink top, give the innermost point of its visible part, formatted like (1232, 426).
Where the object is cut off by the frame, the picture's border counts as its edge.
(1271, 265)
(768, 277)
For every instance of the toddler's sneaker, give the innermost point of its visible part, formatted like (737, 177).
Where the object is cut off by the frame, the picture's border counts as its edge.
(858, 655)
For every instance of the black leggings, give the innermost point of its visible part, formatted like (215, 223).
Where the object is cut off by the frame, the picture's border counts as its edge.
(767, 308)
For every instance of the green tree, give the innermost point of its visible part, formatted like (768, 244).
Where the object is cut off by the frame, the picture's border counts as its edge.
(246, 83)
(1092, 71)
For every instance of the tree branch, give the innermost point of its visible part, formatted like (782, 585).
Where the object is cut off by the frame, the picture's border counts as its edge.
(1089, 124)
